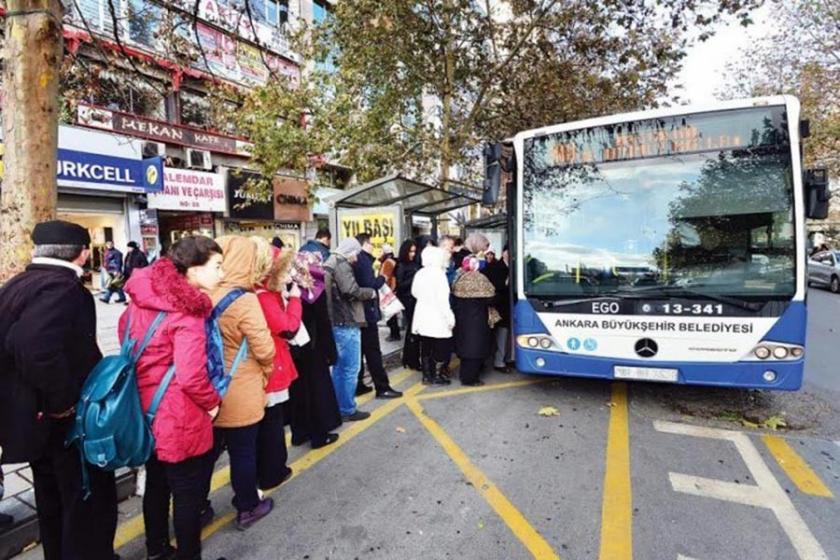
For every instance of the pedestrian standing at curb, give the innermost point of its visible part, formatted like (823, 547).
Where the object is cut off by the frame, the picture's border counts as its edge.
(498, 273)
(344, 302)
(388, 265)
(135, 259)
(280, 301)
(48, 330)
(473, 296)
(113, 265)
(312, 399)
(433, 318)
(407, 268)
(243, 407)
(181, 465)
(371, 348)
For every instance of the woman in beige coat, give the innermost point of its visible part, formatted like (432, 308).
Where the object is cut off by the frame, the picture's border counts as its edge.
(243, 406)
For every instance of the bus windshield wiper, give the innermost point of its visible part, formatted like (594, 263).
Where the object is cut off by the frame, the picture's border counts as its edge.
(672, 290)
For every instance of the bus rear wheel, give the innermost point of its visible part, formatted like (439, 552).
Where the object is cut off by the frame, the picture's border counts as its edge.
(835, 284)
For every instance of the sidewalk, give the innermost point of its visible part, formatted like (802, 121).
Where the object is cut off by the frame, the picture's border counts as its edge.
(19, 498)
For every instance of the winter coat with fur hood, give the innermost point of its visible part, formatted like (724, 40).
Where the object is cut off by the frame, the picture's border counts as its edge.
(244, 403)
(433, 316)
(182, 427)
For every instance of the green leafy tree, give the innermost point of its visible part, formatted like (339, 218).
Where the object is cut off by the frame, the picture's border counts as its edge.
(419, 86)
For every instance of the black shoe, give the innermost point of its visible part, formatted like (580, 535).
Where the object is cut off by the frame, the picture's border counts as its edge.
(6, 521)
(394, 338)
(125, 301)
(502, 369)
(356, 416)
(388, 394)
(441, 380)
(476, 383)
(298, 441)
(207, 515)
(362, 389)
(328, 440)
(168, 553)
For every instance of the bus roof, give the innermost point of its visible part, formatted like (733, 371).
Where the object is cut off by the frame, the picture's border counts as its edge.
(787, 100)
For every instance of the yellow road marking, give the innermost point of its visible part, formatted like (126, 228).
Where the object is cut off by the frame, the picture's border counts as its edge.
(617, 505)
(533, 541)
(491, 387)
(315, 456)
(796, 468)
(134, 526)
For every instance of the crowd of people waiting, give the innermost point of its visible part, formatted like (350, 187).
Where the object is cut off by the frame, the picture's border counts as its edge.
(294, 326)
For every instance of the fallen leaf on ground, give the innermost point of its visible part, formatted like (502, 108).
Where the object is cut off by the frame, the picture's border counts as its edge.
(548, 411)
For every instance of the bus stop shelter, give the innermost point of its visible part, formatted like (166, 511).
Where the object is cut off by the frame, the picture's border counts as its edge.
(399, 199)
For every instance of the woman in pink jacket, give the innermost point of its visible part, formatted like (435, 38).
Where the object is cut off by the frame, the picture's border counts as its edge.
(182, 462)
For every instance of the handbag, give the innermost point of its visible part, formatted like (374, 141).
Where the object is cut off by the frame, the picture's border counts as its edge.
(389, 303)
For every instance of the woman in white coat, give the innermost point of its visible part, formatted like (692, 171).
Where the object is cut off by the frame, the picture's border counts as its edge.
(433, 318)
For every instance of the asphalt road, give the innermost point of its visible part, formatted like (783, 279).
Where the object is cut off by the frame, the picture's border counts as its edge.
(616, 471)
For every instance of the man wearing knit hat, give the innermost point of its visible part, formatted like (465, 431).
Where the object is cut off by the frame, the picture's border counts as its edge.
(344, 302)
(48, 329)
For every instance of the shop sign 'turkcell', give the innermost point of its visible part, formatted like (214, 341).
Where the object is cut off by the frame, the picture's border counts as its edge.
(107, 119)
(99, 172)
(190, 191)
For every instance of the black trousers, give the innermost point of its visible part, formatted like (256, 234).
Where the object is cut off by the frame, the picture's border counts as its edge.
(372, 354)
(271, 449)
(470, 369)
(394, 324)
(187, 483)
(73, 528)
(439, 349)
(241, 444)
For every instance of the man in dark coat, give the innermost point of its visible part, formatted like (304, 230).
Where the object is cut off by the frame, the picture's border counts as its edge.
(321, 244)
(371, 349)
(47, 348)
(134, 259)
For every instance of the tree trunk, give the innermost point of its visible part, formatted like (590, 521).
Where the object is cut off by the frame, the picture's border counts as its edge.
(32, 62)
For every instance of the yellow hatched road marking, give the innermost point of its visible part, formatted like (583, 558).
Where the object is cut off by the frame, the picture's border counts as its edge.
(617, 505)
(533, 541)
(134, 527)
(796, 468)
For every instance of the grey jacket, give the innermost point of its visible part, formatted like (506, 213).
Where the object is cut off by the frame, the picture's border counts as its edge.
(344, 295)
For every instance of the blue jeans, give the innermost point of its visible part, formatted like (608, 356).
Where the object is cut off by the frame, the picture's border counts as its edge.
(106, 297)
(345, 372)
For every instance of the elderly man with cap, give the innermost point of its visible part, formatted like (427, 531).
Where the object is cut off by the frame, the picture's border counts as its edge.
(48, 334)
(344, 302)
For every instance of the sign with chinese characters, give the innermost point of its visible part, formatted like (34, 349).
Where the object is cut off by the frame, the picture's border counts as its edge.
(187, 190)
(106, 119)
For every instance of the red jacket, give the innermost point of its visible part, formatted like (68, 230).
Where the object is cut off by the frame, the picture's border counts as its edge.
(182, 427)
(283, 322)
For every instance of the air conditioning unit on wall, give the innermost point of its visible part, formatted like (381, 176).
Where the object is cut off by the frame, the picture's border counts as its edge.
(154, 149)
(199, 159)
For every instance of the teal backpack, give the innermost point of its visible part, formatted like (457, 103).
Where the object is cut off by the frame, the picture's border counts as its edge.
(110, 428)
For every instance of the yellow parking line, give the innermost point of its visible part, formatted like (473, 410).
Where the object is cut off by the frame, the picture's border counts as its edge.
(315, 456)
(533, 541)
(491, 387)
(617, 504)
(134, 526)
(796, 468)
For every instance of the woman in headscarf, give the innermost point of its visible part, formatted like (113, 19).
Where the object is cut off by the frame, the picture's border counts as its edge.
(313, 406)
(407, 267)
(473, 295)
(243, 407)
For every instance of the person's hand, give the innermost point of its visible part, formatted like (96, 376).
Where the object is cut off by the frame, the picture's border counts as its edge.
(213, 412)
(294, 291)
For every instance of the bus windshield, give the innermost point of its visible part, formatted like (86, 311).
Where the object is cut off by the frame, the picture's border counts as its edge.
(700, 203)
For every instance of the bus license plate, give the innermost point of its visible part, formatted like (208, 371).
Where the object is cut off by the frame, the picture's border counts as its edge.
(645, 373)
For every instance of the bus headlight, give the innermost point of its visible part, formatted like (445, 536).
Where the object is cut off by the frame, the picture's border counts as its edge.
(537, 342)
(776, 351)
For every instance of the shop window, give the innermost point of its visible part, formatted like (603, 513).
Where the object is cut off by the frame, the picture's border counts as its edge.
(119, 91)
(195, 110)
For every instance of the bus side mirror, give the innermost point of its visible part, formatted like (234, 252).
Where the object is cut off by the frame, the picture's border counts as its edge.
(492, 174)
(816, 193)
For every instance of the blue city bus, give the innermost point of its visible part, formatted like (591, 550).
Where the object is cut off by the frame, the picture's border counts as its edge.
(665, 245)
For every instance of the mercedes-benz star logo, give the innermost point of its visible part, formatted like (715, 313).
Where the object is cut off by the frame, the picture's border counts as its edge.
(646, 348)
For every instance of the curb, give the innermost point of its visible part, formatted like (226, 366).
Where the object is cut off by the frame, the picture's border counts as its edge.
(24, 533)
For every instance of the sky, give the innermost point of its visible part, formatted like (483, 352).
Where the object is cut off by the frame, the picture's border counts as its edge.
(705, 63)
